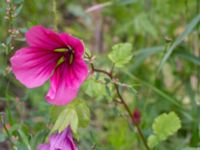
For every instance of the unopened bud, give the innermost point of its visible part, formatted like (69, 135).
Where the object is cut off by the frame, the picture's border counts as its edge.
(136, 116)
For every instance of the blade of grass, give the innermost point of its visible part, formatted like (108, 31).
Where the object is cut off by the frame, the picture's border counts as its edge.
(144, 53)
(24, 139)
(155, 89)
(189, 57)
(179, 39)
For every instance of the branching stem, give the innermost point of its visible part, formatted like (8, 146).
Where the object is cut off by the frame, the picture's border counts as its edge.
(122, 101)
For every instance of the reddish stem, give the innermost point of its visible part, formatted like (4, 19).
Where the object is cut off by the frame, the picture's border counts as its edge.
(110, 75)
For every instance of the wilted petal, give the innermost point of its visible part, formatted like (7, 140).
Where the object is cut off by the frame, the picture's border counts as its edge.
(38, 36)
(33, 66)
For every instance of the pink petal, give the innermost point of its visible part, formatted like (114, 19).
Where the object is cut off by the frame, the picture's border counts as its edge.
(33, 66)
(63, 140)
(66, 81)
(60, 93)
(75, 43)
(43, 147)
(40, 37)
(77, 73)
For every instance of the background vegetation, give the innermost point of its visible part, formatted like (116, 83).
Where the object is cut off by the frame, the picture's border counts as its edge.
(162, 76)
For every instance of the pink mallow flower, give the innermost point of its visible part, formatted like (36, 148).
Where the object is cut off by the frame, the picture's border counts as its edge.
(58, 56)
(59, 141)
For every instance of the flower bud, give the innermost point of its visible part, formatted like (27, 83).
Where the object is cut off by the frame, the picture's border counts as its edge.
(136, 116)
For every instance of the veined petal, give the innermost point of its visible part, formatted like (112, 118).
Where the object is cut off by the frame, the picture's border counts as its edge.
(62, 141)
(75, 43)
(40, 37)
(77, 73)
(60, 93)
(33, 66)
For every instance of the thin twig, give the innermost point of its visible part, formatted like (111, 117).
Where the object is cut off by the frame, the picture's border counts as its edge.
(110, 75)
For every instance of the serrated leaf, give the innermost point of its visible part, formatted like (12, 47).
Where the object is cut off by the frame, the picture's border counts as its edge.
(93, 88)
(121, 54)
(164, 126)
(67, 117)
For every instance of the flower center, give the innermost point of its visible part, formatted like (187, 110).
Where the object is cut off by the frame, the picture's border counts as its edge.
(68, 55)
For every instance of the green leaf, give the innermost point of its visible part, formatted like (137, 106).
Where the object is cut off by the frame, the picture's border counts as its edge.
(180, 38)
(189, 57)
(67, 117)
(18, 1)
(155, 89)
(38, 138)
(93, 88)
(144, 53)
(24, 139)
(191, 148)
(153, 141)
(121, 54)
(2, 137)
(164, 126)
(18, 10)
(88, 52)
(82, 111)
(74, 114)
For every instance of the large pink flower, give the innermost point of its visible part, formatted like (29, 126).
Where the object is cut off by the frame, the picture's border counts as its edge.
(59, 141)
(57, 56)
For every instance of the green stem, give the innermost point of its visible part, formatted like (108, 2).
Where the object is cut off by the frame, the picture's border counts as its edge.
(54, 9)
(6, 130)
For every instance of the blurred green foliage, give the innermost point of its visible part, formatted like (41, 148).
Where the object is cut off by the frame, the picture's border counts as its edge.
(153, 27)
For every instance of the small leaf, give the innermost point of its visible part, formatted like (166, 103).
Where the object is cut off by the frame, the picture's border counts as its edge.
(107, 90)
(164, 126)
(153, 140)
(82, 111)
(121, 54)
(18, 10)
(87, 51)
(8, 40)
(67, 117)
(93, 88)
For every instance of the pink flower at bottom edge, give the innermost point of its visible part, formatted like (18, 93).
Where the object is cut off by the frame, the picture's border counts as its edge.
(57, 56)
(59, 141)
